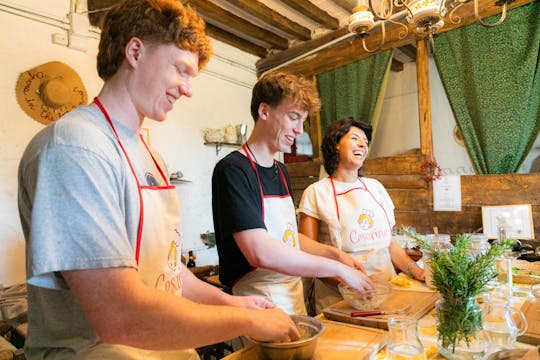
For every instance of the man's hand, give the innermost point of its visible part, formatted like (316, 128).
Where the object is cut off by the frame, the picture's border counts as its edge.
(356, 279)
(273, 325)
(251, 302)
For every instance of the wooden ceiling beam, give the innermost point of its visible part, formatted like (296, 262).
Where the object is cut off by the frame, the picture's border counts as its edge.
(271, 17)
(279, 58)
(307, 8)
(346, 53)
(350, 51)
(233, 40)
(346, 4)
(219, 16)
(409, 50)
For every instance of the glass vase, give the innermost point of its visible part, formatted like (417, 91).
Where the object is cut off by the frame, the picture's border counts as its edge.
(459, 325)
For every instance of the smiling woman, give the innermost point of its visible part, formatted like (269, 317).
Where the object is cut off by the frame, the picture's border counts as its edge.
(350, 212)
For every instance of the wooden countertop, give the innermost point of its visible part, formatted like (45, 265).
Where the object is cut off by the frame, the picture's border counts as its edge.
(339, 341)
(334, 343)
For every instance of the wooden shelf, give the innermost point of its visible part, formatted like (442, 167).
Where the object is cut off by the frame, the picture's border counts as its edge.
(219, 144)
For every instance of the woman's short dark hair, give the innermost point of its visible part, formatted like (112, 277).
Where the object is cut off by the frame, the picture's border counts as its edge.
(333, 134)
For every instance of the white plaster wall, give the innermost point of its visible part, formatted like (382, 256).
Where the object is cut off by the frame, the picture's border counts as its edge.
(221, 96)
(398, 130)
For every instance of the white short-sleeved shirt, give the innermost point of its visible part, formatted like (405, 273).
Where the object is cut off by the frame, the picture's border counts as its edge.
(363, 227)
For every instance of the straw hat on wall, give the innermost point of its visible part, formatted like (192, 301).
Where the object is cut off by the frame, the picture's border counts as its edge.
(50, 90)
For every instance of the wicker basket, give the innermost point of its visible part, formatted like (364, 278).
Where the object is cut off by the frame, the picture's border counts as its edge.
(527, 272)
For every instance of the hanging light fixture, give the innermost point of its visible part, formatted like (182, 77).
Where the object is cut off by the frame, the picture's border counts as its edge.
(425, 15)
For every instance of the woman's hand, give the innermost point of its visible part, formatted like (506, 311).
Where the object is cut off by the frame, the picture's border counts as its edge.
(348, 260)
(417, 272)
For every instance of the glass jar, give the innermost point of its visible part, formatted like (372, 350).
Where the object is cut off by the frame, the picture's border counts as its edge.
(479, 244)
(437, 242)
(403, 340)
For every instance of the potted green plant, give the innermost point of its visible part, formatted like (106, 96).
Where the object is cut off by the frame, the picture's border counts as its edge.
(459, 276)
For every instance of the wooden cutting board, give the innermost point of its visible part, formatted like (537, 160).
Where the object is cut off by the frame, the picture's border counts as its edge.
(421, 303)
(531, 310)
(338, 342)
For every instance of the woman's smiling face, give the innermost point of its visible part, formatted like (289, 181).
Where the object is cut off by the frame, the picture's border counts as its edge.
(353, 148)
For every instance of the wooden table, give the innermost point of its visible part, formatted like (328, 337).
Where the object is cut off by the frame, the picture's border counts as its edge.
(334, 343)
(339, 341)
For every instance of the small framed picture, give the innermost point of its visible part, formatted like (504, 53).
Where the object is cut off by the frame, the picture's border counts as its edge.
(518, 218)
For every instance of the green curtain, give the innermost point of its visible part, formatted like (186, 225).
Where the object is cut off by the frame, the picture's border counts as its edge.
(353, 89)
(492, 80)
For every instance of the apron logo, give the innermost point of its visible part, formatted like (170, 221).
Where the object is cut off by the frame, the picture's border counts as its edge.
(289, 237)
(171, 282)
(172, 256)
(365, 220)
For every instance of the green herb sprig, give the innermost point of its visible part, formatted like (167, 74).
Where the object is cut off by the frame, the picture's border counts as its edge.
(459, 277)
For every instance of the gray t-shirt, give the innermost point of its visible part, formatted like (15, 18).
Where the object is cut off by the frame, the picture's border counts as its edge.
(79, 209)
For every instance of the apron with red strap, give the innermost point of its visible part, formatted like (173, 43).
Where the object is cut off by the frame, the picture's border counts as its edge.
(158, 252)
(364, 231)
(279, 217)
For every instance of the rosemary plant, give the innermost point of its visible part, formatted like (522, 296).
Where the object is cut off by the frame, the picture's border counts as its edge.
(459, 277)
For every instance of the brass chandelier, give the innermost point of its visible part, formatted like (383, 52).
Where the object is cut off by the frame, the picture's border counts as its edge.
(425, 15)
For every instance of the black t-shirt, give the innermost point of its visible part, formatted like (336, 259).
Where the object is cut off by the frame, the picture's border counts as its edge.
(237, 206)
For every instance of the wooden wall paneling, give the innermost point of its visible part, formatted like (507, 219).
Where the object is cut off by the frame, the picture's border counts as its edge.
(297, 196)
(303, 169)
(501, 189)
(536, 221)
(300, 183)
(302, 174)
(410, 199)
(468, 220)
(394, 165)
(413, 181)
(413, 197)
(419, 220)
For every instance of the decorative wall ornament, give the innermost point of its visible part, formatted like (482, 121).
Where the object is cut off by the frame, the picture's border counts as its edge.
(50, 90)
(430, 171)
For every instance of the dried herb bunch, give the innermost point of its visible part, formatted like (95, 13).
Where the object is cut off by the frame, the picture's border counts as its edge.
(460, 277)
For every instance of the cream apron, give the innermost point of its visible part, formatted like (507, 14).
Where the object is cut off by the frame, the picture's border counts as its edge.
(158, 253)
(280, 220)
(364, 231)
